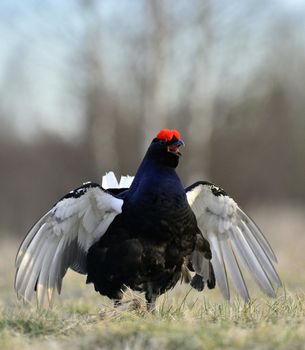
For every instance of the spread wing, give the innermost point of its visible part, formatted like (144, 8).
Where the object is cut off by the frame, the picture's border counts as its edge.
(234, 240)
(62, 238)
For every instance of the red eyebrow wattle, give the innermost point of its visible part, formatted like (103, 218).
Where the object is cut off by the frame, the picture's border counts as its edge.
(167, 134)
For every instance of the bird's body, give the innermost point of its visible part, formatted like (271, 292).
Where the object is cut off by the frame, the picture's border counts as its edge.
(145, 233)
(156, 230)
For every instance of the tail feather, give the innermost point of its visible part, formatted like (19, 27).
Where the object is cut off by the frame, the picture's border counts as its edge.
(211, 282)
(110, 181)
(197, 282)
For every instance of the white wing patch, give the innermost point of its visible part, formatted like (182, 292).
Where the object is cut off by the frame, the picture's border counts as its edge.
(110, 181)
(234, 239)
(62, 238)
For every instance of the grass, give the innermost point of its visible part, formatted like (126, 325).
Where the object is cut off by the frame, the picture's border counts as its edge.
(176, 324)
(184, 319)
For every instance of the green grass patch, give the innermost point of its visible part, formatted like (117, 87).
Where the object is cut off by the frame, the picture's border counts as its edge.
(178, 323)
(185, 319)
(32, 323)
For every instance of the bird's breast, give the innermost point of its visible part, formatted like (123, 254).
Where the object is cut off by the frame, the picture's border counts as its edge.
(163, 215)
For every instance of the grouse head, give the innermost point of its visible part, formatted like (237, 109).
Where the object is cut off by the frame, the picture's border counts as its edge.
(165, 148)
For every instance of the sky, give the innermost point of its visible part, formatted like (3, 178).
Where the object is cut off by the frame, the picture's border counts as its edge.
(40, 43)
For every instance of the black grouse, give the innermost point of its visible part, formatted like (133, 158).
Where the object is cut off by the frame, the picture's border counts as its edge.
(145, 233)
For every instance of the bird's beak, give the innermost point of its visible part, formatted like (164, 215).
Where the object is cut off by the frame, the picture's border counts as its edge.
(181, 143)
(174, 147)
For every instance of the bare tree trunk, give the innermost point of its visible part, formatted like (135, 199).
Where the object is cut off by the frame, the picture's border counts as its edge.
(100, 123)
(154, 117)
(201, 101)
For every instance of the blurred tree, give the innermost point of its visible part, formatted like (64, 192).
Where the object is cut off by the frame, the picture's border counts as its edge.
(101, 120)
(229, 76)
(199, 118)
(154, 53)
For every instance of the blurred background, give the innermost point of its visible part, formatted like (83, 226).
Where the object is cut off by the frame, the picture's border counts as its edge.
(86, 84)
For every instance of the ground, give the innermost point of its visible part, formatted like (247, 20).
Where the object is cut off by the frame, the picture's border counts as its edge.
(184, 319)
